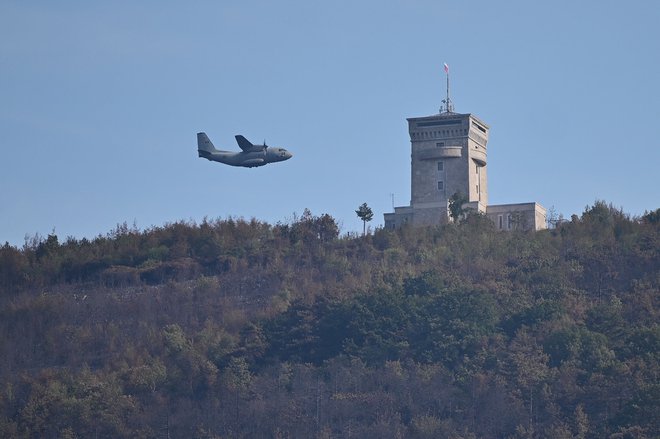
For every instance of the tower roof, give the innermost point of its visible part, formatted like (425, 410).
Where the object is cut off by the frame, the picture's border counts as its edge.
(448, 115)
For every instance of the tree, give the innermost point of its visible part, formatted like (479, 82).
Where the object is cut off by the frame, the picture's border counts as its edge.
(530, 366)
(365, 213)
(238, 378)
(456, 202)
(13, 268)
(652, 217)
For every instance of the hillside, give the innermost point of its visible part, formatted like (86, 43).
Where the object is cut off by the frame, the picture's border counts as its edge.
(242, 329)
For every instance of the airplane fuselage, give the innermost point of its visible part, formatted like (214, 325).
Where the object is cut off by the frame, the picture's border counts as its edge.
(249, 159)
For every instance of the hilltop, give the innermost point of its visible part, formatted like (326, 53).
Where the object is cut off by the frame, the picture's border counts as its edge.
(233, 328)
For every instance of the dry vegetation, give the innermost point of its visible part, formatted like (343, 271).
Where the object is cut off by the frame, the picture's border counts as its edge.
(241, 329)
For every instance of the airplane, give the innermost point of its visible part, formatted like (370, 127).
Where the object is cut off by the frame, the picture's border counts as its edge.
(250, 157)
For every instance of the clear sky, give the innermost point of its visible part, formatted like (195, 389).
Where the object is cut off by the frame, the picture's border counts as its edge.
(100, 103)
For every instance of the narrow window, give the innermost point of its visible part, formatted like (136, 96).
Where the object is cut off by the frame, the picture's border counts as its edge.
(440, 144)
(441, 166)
(441, 185)
(500, 221)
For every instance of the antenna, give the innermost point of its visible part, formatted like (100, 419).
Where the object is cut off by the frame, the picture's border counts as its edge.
(449, 106)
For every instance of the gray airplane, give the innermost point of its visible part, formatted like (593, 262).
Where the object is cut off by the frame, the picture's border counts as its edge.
(250, 157)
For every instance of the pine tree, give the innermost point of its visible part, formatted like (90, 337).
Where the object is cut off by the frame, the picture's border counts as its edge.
(365, 213)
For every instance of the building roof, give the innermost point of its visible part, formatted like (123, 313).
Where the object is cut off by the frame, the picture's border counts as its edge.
(448, 115)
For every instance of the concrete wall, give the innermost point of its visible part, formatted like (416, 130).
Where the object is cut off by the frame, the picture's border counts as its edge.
(520, 216)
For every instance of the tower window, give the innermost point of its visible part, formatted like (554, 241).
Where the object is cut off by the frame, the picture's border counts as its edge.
(441, 166)
(482, 129)
(440, 144)
(441, 185)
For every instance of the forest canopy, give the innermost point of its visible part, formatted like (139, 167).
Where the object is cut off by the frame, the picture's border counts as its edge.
(236, 328)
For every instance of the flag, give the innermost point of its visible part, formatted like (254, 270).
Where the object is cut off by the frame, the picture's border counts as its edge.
(446, 68)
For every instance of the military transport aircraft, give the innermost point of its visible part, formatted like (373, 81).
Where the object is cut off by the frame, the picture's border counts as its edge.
(251, 156)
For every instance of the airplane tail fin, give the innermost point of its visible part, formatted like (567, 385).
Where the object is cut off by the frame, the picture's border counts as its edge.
(244, 143)
(204, 145)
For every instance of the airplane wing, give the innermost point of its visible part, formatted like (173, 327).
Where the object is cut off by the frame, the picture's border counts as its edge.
(244, 143)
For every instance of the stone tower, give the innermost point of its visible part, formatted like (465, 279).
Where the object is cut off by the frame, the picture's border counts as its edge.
(449, 156)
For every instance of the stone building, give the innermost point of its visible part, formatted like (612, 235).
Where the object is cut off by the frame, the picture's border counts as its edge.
(449, 156)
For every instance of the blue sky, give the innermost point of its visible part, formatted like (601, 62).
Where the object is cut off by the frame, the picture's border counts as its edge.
(100, 103)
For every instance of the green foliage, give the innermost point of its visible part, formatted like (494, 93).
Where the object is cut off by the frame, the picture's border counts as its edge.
(13, 268)
(532, 316)
(587, 349)
(88, 405)
(365, 213)
(387, 325)
(652, 217)
(456, 202)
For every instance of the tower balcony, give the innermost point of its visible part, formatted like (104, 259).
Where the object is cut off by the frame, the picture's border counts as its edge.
(479, 156)
(444, 152)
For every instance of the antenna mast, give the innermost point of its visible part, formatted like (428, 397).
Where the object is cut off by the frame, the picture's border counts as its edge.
(449, 106)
